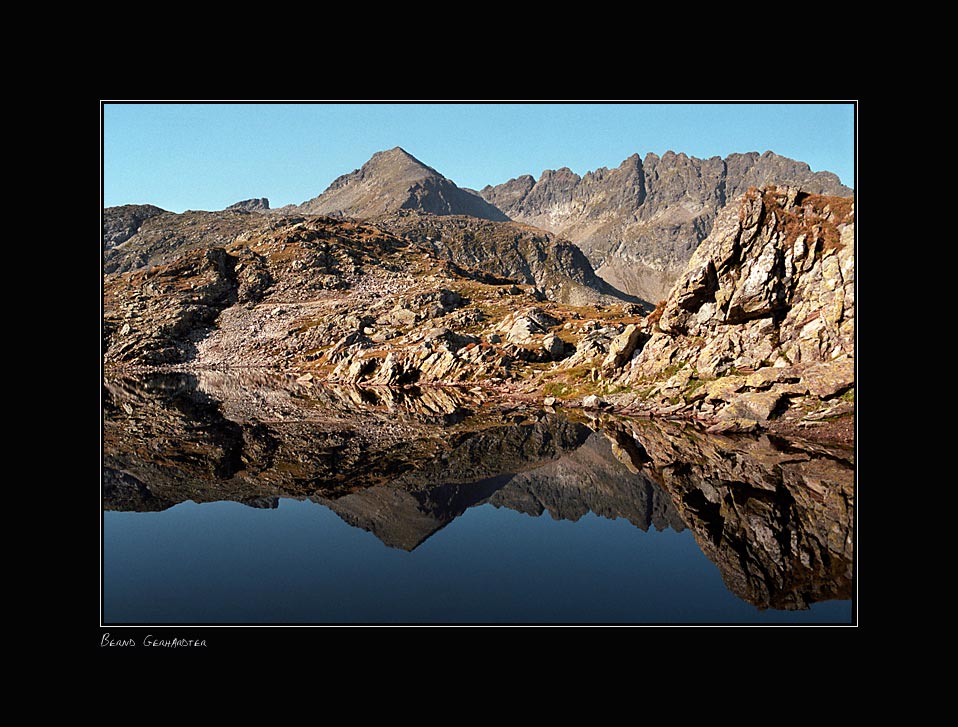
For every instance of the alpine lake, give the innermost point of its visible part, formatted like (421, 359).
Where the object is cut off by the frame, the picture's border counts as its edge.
(254, 498)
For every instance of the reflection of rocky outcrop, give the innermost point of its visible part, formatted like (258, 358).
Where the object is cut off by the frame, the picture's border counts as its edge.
(163, 434)
(776, 517)
(227, 437)
(399, 463)
(125, 492)
(465, 473)
(262, 438)
(266, 396)
(590, 479)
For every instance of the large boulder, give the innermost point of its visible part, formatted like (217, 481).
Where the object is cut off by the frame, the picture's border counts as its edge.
(766, 308)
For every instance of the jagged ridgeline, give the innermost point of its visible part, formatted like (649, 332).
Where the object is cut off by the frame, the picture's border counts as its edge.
(640, 223)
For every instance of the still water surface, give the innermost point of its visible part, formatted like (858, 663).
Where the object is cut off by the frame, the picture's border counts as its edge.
(257, 501)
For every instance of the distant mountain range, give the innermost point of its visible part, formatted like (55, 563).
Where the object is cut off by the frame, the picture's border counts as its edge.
(638, 224)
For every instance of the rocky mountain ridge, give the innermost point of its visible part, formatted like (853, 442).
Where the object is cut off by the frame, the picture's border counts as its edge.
(338, 300)
(640, 223)
(122, 223)
(160, 237)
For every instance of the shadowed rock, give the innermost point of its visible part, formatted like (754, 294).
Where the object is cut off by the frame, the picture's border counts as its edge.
(775, 516)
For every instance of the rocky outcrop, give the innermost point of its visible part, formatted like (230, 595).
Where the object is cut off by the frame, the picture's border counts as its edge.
(121, 223)
(623, 346)
(524, 325)
(158, 316)
(640, 223)
(590, 478)
(440, 355)
(508, 250)
(759, 330)
(343, 301)
(161, 238)
(257, 204)
(764, 314)
(393, 180)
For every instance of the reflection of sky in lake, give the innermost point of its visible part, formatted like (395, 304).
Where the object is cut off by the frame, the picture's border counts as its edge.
(227, 563)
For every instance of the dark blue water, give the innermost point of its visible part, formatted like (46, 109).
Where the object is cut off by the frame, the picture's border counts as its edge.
(227, 563)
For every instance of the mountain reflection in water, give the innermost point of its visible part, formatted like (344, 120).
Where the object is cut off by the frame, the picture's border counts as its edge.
(775, 517)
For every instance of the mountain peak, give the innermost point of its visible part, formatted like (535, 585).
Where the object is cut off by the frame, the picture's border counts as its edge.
(397, 152)
(392, 180)
(397, 164)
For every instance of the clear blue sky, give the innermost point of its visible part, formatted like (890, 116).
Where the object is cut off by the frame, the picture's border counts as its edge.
(207, 156)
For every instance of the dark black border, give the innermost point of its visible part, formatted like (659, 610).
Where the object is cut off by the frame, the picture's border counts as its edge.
(240, 638)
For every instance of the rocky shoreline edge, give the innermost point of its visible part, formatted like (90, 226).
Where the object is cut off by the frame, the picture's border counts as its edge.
(835, 427)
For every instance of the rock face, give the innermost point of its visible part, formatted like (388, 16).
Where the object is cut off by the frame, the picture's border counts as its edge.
(260, 204)
(640, 223)
(121, 223)
(525, 255)
(157, 317)
(158, 239)
(393, 180)
(764, 313)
